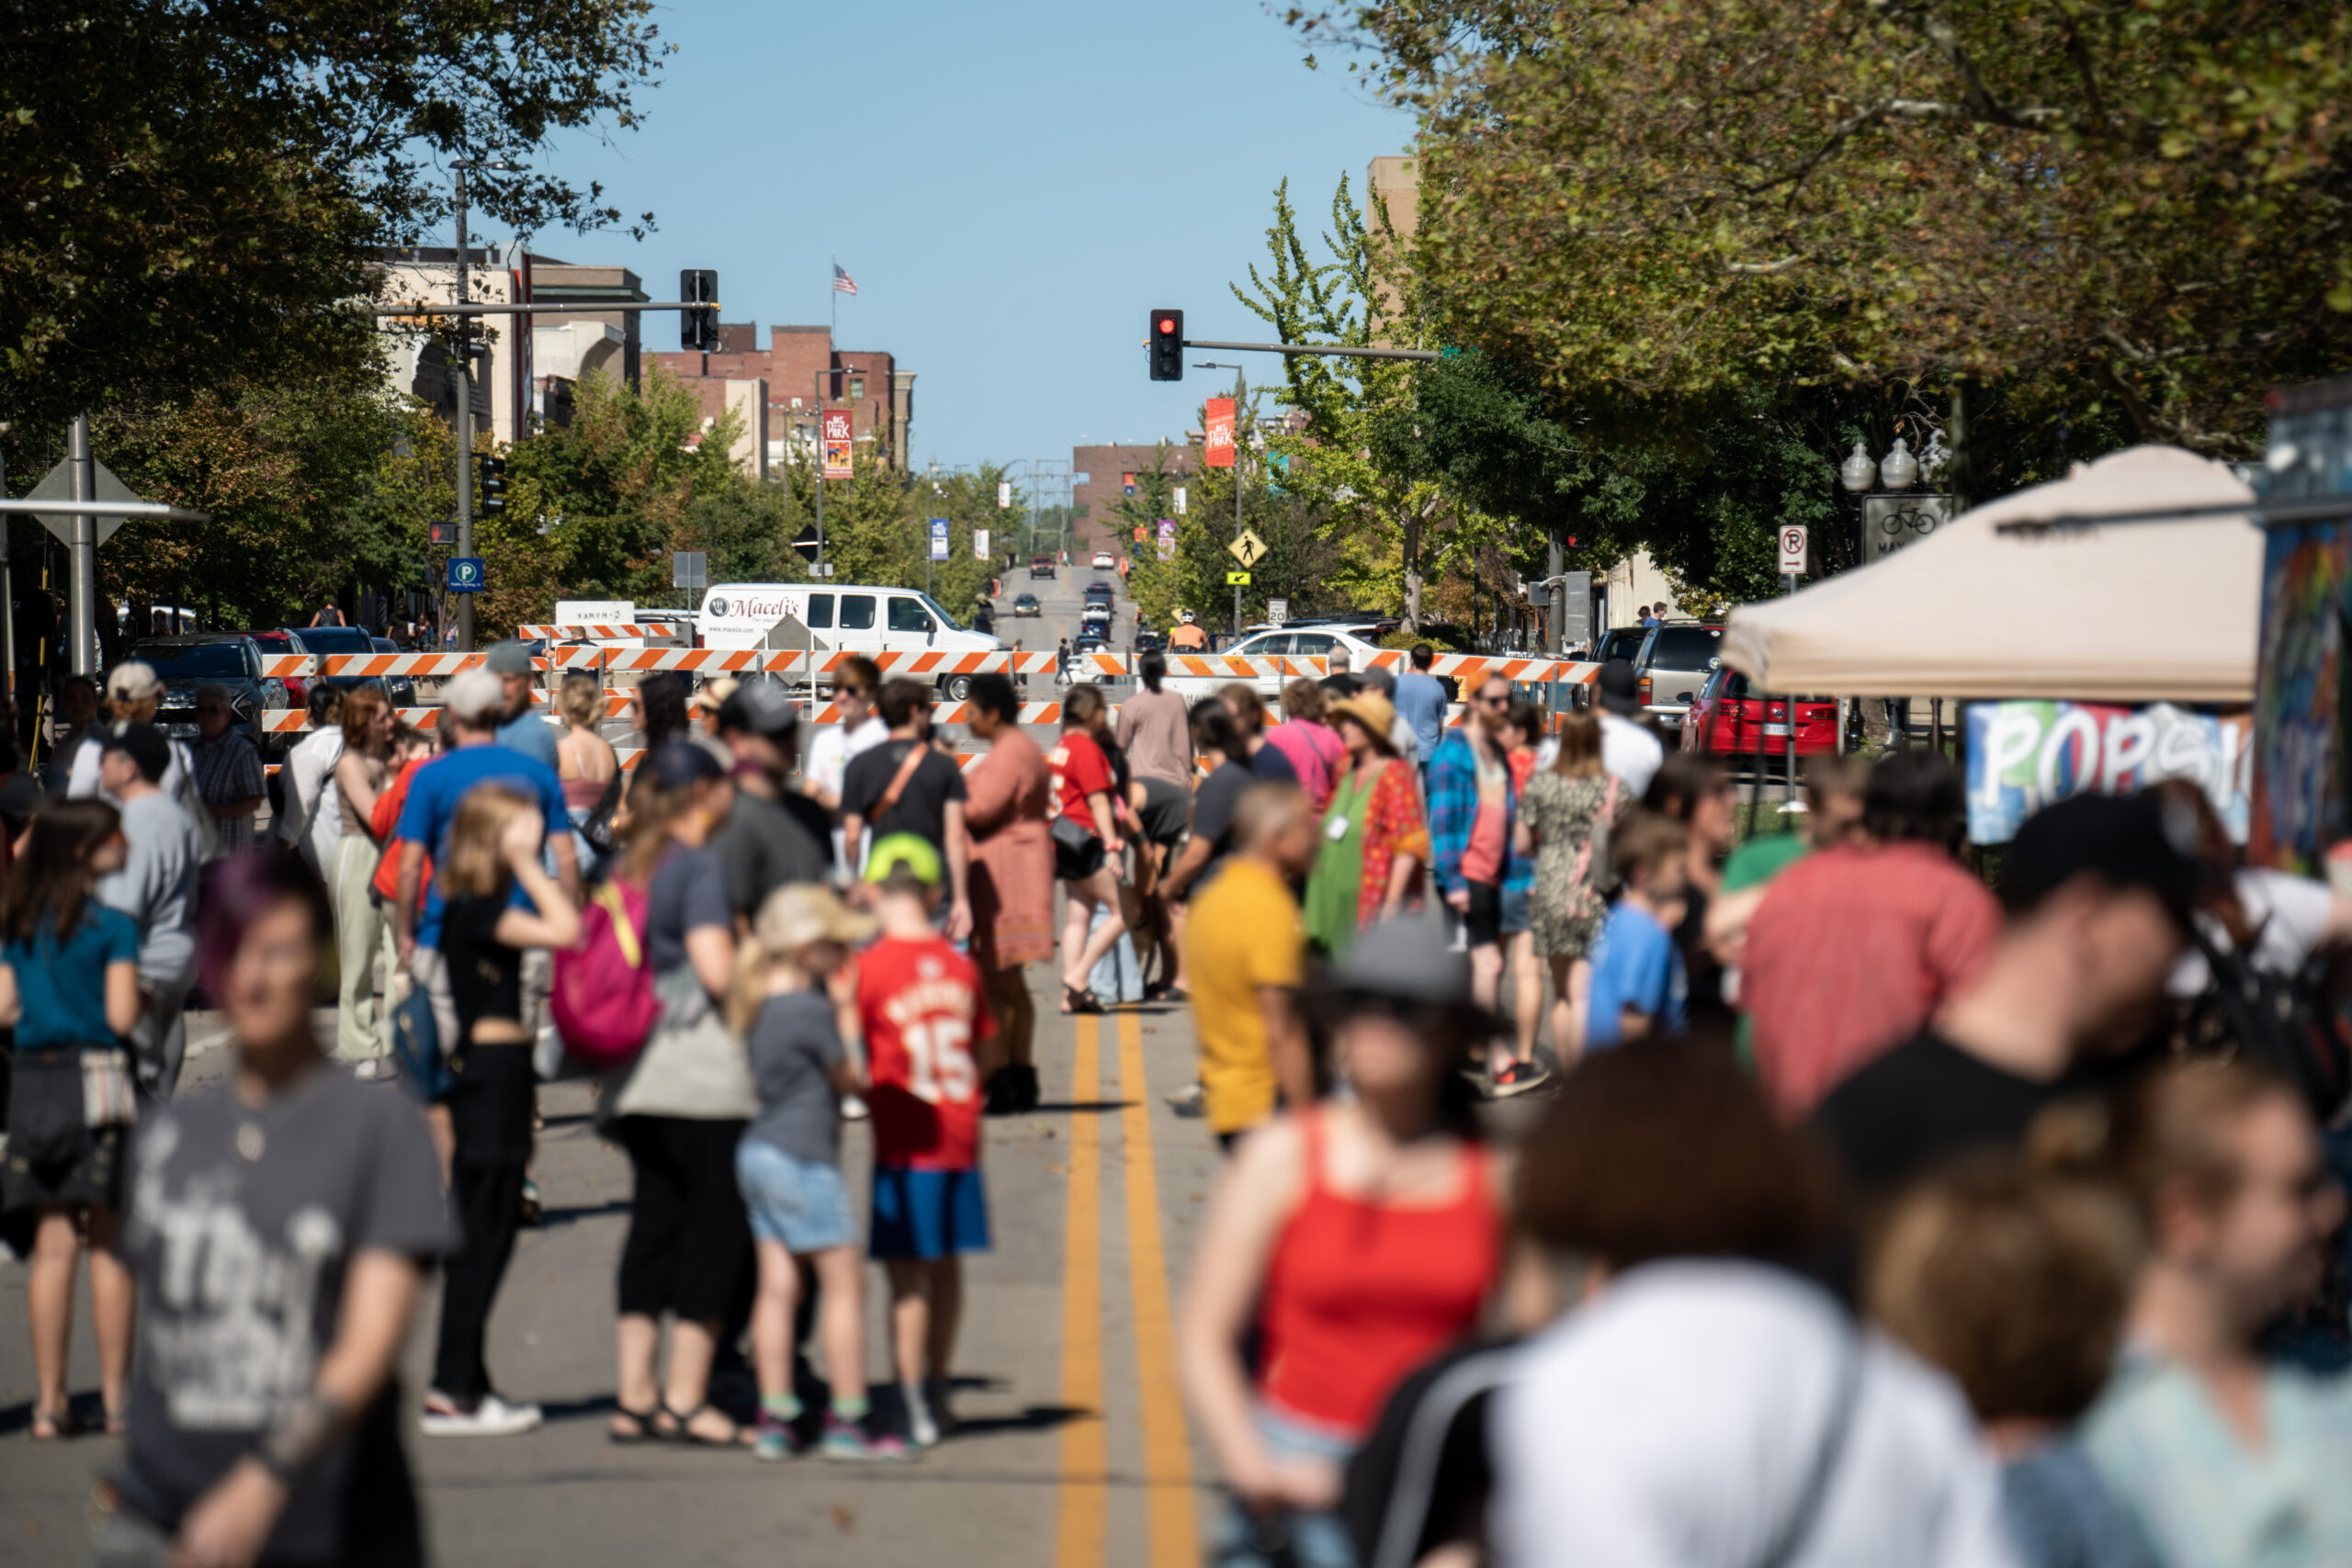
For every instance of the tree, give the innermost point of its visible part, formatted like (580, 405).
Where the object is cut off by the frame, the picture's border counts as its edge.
(2147, 203)
(195, 189)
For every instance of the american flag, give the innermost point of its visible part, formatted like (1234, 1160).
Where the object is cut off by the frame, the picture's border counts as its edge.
(842, 282)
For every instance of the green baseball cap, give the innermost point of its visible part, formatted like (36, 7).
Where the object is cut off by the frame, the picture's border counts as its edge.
(907, 850)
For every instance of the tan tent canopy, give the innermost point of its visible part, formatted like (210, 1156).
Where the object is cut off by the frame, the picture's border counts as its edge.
(2135, 612)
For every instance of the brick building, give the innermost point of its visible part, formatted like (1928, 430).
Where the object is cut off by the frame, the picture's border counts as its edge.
(1103, 476)
(798, 372)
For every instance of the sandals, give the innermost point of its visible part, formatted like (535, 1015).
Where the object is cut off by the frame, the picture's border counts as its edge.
(685, 1434)
(1077, 1001)
(642, 1429)
(50, 1425)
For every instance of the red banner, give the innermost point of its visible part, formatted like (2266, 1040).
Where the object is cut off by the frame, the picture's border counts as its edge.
(1220, 432)
(837, 443)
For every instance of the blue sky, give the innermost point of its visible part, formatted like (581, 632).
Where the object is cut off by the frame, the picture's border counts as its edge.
(1010, 184)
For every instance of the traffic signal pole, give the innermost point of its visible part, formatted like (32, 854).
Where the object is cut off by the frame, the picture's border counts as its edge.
(464, 425)
(1240, 400)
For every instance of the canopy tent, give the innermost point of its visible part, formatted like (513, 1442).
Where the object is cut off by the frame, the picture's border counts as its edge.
(2133, 613)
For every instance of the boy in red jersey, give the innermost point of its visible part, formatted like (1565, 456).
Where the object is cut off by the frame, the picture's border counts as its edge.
(920, 1009)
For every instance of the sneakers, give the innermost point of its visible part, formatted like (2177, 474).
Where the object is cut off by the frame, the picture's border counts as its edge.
(527, 1214)
(854, 1109)
(857, 1442)
(1190, 1100)
(777, 1439)
(922, 1429)
(489, 1417)
(1515, 1078)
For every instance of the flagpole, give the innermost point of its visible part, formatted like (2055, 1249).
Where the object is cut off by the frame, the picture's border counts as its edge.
(832, 287)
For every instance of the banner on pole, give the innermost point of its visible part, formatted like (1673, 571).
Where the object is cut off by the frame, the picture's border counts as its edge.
(1003, 494)
(979, 544)
(1218, 442)
(1168, 538)
(837, 443)
(939, 538)
(2023, 756)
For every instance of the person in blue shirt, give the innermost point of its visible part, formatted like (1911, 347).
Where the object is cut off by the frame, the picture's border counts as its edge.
(69, 983)
(1421, 701)
(521, 726)
(471, 706)
(1639, 987)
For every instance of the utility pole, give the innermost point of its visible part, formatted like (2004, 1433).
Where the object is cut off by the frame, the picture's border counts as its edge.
(1240, 401)
(464, 425)
(82, 563)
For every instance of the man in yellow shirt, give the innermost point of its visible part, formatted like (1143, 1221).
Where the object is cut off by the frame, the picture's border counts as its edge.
(1244, 953)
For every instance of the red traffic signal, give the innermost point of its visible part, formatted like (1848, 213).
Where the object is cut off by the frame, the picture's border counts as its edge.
(1168, 345)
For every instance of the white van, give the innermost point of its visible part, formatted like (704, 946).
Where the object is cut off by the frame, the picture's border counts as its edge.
(852, 617)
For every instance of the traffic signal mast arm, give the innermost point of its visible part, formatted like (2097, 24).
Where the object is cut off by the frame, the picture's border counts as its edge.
(1318, 348)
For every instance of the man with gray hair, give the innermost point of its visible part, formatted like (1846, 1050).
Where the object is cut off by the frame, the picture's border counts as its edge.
(1339, 683)
(473, 705)
(228, 771)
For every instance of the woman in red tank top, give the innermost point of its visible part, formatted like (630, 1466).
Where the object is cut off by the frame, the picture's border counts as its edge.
(1360, 1239)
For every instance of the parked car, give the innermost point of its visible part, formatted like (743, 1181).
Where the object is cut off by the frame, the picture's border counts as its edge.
(1317, 642)
(400, 689)
(1625, 643)
(330, 641)
(1729, 720)
(1041, 566)
(230, 660)
(1026, 604)
(1675, 662)
(1105, 561)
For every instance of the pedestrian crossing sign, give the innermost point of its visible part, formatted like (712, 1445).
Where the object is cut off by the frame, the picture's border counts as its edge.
(1237, 580)
(1249, 549)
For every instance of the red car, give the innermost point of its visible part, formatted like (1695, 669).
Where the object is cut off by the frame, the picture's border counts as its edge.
(1728, 721)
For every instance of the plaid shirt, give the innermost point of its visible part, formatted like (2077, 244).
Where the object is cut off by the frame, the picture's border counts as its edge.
(1452, 786)
(229, 769)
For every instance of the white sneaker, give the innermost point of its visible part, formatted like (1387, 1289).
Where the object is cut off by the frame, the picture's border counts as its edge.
(921, 1430)
(854, 1109)
(491, 1417)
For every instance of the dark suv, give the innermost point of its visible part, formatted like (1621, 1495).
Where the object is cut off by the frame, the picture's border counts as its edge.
(228, 659)
(326, 641)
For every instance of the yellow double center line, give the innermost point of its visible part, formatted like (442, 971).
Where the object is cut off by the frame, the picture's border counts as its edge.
(1172, 1518)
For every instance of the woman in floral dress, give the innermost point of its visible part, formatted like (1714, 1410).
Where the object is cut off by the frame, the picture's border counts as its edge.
(1564, 820)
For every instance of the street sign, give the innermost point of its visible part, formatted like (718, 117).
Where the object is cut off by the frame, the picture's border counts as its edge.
(1249, 549)
(689, 569)
(465, 574)
(1792, 554)
(1278, 610)
(1891, 520)
(939, 538)
(980, 544)
(1237, 580)
(1217, 439)
(58, 485)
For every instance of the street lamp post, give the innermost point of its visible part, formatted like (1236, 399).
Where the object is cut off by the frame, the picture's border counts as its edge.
(817, 390)
(1241, 395)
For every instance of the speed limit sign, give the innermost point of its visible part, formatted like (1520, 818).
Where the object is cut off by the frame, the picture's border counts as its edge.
(1793, 553)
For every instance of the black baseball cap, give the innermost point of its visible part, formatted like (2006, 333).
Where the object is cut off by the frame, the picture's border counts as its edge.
(145, 745)
(677, 763)
(1619, 687)
(2126, 841)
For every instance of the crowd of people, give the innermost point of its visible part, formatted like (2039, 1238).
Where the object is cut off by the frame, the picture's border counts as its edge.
(1879, 1206)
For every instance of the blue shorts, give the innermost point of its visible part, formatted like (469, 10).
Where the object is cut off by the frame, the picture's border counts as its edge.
(801, 1204)
(1518, 912)
(929, 1213)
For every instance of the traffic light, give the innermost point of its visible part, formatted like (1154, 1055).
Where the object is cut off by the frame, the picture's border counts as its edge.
(1168, 345)
(698, 329)
(443, 533)
(493, 486)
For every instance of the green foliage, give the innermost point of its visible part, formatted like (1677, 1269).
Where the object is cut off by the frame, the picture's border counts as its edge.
(2141, 202)
(195, 189)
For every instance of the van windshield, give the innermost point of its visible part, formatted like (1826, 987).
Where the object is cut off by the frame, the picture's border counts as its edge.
(950, 622)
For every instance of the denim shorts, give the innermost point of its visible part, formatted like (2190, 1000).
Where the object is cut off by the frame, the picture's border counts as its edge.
(801, 1203)
(1519, 914)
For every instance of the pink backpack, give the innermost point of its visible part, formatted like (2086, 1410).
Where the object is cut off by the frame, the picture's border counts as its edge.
(603, 1001)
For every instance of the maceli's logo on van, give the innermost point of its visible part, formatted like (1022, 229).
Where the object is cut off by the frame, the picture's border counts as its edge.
(747, 609)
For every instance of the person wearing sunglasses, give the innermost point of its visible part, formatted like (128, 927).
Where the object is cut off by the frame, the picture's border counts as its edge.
(228, 771)
(855, 727)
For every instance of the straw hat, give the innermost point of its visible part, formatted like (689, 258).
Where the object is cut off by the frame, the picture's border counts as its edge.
(1371, 710)
(802, 914)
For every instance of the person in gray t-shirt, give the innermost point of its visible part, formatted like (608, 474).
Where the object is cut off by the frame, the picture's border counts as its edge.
(789, 1165)
(156, 887)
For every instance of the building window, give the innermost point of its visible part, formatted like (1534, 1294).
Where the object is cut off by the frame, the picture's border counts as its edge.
(856, 387)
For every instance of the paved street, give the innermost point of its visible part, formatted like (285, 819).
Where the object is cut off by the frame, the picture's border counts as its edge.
(1074, 1450)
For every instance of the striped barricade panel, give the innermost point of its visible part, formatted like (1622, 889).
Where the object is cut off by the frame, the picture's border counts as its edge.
(958, 713)
(294, 721)
(429, 665)
(289, 666)
(596, 632)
